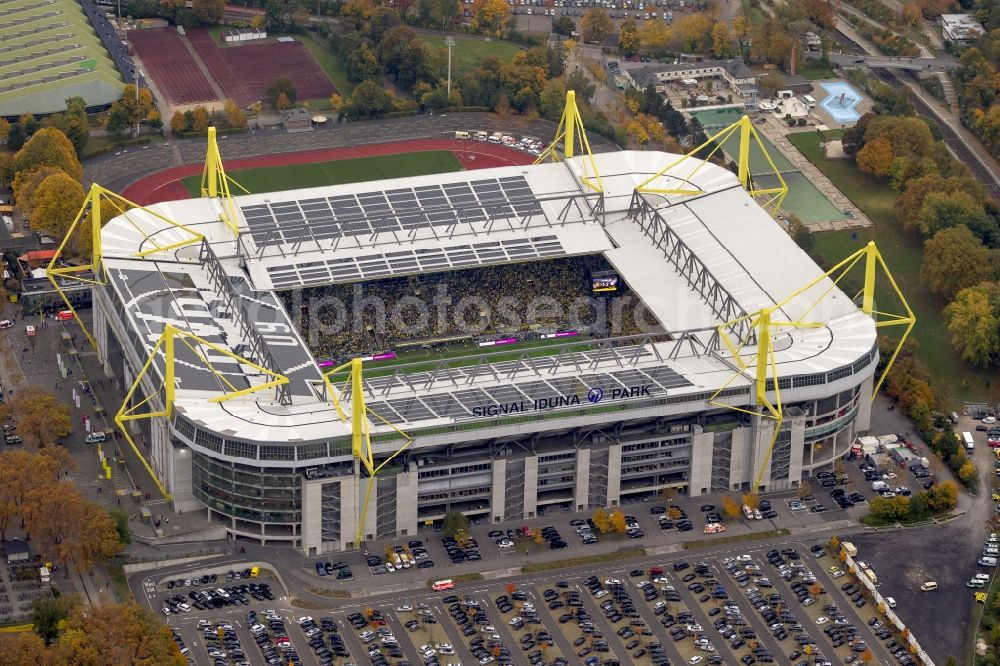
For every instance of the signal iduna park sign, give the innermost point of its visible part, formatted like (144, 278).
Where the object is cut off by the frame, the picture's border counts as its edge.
(594, 396)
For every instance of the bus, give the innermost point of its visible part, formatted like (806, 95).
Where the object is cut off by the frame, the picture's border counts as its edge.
(810, 101)
(969, 444)
(442, 585)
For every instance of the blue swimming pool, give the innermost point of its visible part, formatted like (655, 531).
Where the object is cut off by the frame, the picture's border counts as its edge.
(841, 101)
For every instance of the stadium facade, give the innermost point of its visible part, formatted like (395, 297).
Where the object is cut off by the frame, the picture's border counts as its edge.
(506, 435)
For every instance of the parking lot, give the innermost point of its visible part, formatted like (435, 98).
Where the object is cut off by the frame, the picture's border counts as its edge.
(788, 604)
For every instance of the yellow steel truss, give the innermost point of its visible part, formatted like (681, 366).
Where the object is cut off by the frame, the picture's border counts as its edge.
(215, 183)
(568, 133)
(361, 443)
(90, 213)
(166, 345)
(764, 327)
(773, 196)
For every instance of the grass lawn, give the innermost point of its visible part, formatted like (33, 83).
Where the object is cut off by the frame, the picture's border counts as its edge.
(274, 179)
(814, 71)
(953, 379)
(413, 359)
(468, 53)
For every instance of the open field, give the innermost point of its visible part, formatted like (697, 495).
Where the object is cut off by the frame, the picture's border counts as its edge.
(903, 251)
(467, 54)
(273, 179)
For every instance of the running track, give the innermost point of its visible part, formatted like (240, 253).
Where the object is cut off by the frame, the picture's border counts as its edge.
(167, 186)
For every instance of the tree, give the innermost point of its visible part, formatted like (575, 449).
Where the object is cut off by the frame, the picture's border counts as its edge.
(601, 521)
(178, 123)
(117, 635)
(57, 201)
(552, 99)
(910, 136)
(234, 114)
(771, 84)
(731, 507)
(25, 184)
(209, 12)
(563, 26)
(876, 157)
(490, 17)
(48, 612)
(751, 499)
(116, 121)
(596, 25)
(954, 259)
(618, 521)
(281, 85)
(967, 472)
(644, 129)
(654, 35)
(800, 233)
(154, 120)
(804, 489)
(24, 648)
(74, 127)
(4, 130)
(741, 26)
(694, 31)
(369, 100)
(48, 147)
(974, 323)
(628, 37)
(135, 106)
(722, 41)
(283, 103)
(454, 523)
(579, 82)
(362, 65)
(941, 210)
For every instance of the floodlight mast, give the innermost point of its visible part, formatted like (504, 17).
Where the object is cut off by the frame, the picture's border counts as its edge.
(773, 196)
(766, 379)
(569, 134)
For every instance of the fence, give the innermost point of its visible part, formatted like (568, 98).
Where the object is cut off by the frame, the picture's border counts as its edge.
(911, 641)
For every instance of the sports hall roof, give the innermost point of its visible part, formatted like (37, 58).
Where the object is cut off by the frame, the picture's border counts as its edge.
(50, 51)
(222, 290)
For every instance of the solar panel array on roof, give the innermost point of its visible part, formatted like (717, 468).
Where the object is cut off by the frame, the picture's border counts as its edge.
(364, 213)
(422, 260)
(461, 402)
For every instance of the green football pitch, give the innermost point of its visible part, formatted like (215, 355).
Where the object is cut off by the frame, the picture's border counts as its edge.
(355, 170)
(467, 353)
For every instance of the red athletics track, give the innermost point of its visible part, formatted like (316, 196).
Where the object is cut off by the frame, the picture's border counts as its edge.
(166, 185)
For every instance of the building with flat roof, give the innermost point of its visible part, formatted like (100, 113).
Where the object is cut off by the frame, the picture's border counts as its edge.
(734, 73)
(961, 28)
(627, 389)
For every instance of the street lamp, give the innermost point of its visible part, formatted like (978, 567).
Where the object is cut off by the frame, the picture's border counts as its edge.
(449, 42)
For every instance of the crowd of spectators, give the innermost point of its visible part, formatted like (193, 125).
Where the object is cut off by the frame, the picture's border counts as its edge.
(430, 310)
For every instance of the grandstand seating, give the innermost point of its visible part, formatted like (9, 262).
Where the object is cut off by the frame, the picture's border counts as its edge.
(524, 300)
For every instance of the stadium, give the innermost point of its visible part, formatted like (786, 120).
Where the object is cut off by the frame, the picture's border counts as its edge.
(331, 365)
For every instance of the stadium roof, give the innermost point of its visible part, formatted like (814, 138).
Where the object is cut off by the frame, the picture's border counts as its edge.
(50, 51)
(710, 258)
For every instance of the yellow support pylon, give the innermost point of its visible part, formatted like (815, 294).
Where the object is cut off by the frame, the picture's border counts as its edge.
(167, 345)
(774, 196)
(361, 443)
(766, 374)
(90, 213)
(215, 184)
(569, 134)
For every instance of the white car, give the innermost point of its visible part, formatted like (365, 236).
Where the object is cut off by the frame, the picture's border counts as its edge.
(822, 619)
(697, 659)
(989, 419)
(304, 619)
(405, 608)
